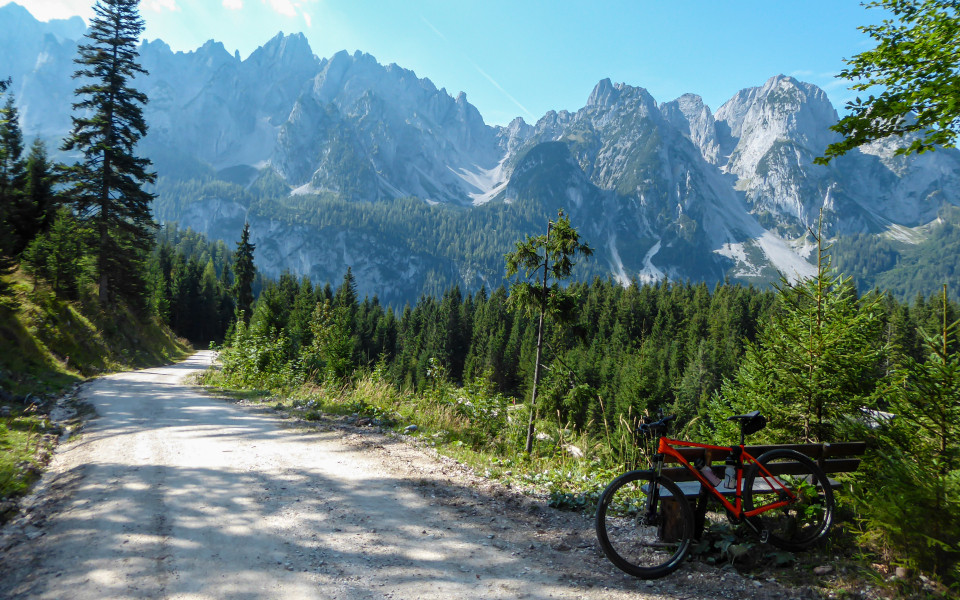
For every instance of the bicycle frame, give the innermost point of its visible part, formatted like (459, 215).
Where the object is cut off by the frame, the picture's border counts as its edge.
(665, 448)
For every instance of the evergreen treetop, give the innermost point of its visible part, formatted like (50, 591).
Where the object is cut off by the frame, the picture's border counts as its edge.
(107, 183)
(243, 275)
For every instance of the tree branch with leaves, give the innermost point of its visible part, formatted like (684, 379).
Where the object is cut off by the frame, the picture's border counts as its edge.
(916, 66)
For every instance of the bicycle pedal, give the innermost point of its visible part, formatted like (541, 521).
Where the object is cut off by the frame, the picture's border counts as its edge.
(764, 535)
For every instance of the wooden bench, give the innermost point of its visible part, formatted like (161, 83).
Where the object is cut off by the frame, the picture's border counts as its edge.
(842, 457)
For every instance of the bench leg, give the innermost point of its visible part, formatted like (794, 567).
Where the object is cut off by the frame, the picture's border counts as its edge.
(700, 514)
(671, 523)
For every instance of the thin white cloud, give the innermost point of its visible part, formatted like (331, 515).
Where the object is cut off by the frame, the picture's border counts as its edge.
(504, 92)
(308, 19)
(481, 71)
(233, 4)
(836, 84)
(435, 30)
(283, 7)
(45, 10)
(161, 5)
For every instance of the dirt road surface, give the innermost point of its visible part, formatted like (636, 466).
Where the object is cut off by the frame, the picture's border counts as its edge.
(169, 493)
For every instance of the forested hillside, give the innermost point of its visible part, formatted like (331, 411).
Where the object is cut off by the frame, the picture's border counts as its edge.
(903, 269)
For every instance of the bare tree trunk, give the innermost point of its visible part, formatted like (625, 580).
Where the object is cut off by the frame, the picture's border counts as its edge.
(536, 364)
(536, 380)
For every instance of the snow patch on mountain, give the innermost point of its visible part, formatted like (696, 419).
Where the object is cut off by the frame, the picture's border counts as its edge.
(619, 272)
(483, 185)
(650, 273)
(784, 258)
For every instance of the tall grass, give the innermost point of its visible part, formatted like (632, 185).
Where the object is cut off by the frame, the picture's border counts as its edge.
(471, 423)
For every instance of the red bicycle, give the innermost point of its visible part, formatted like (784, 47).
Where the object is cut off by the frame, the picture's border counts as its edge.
(645, 525)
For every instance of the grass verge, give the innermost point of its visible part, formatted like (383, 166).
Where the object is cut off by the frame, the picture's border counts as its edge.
(568, 470)
(48, 345)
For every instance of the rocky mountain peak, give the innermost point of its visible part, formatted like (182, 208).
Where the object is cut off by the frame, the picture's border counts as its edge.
(603, 94)
(780, 105)
(213, 53)
(285, 50)
(17, 21)
(689, 115)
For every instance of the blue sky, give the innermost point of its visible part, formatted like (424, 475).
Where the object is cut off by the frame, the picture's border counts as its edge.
(523, 58)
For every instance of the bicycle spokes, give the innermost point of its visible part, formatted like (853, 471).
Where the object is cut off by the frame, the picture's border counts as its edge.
(797, 494)
(644, 524)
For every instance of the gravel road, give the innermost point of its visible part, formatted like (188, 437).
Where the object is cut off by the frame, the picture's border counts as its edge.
(169, 493)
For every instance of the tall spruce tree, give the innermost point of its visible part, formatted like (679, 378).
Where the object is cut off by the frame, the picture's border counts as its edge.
(11, 173)
(11, 151)
(816, 363)
(107, 183)
(542, 294)
(6, 231)
(35, 207)
(243, 275)
(915, 509)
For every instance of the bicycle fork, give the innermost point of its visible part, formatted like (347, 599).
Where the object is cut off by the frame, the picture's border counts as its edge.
(653, 498)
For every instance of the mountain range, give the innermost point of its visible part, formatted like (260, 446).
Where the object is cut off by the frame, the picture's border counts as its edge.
(342, 161)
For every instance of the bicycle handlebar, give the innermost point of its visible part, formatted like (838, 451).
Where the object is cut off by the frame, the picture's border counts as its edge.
(656, 426)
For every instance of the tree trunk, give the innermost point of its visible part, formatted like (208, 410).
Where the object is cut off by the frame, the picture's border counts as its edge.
(536, 364)
(536, 380)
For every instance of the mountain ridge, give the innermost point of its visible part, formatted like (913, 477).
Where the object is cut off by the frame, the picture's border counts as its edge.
(661, 190)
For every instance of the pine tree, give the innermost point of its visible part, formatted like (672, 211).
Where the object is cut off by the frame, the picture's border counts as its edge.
(558, 247)
(332, 346)
(159, 279)
(11, 152)
(57, 254)
(914, 510)
(11, 175)
(243, 275)
(107, 183)
(209, 304)
(36, 206)
(6, 230)
(817, 362)
(298, 323)
(346, 295)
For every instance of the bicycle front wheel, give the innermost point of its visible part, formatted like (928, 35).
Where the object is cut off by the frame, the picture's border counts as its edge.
(808, 513)
(644, 524)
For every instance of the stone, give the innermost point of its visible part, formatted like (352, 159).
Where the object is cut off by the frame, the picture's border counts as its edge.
(823, 570)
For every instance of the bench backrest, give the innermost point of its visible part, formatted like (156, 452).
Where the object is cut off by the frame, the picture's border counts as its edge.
(841, 457)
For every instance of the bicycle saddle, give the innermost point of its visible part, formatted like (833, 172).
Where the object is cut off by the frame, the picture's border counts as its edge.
(749, 415)
(751, 422)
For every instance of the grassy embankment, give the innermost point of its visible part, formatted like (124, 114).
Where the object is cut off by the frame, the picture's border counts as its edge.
(47, 345)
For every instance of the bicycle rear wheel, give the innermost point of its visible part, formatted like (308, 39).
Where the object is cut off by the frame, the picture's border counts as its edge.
(805, 520)
(644, 524)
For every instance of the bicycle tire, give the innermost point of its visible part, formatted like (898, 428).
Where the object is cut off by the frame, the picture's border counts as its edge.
(801, 524)
(632, 540)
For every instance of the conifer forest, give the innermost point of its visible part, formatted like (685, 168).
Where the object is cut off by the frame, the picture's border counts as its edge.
(538, 369)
